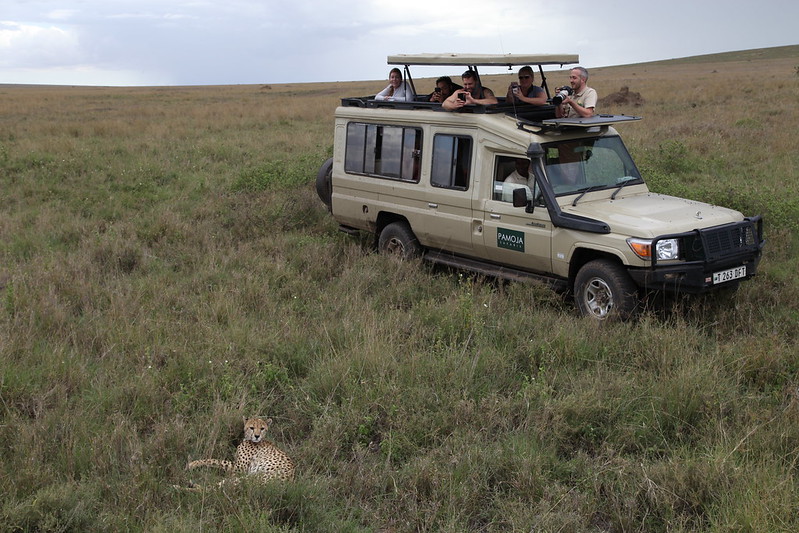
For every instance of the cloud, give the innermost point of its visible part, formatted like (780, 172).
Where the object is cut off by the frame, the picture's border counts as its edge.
(150, 16)
(61, 14)
(24, 45)
(271, 41)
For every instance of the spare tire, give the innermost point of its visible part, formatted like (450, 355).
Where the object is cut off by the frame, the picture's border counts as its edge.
(324, 183)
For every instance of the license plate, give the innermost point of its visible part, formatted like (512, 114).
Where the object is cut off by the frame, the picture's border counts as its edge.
(729, 275)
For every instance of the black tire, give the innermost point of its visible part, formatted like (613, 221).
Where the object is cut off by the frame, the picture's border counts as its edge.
(398, 239)
(603, 290)
(324, 183)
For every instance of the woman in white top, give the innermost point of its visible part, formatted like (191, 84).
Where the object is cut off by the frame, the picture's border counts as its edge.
(397, 90)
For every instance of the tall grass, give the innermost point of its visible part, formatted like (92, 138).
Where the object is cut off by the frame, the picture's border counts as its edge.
(165, 268)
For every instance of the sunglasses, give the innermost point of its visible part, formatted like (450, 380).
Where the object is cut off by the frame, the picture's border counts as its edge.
(524, 77)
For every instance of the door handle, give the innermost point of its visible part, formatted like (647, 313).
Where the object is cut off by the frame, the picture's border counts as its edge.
(495, 216)
(434, 206)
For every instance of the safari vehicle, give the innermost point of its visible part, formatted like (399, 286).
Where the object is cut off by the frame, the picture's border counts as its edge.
(431, 183)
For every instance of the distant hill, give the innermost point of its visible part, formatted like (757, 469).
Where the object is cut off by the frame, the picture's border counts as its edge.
(778, 52)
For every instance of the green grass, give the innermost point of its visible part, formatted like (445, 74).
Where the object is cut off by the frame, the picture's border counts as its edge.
(166, 267)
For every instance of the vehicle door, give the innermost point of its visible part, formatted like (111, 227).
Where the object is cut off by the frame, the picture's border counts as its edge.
(512, 236)
(449, 224)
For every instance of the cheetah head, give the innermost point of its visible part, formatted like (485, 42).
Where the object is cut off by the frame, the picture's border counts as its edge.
(255, 428)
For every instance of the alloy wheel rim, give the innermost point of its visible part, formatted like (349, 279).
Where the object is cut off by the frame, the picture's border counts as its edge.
(395, 246)
(598, 297)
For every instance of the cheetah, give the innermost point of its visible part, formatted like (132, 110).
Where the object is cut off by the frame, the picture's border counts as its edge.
(255, 455)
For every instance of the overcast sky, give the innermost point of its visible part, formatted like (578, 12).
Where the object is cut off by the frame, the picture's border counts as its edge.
(209, 42)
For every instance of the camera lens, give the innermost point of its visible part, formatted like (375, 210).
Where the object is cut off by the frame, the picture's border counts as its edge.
(563, 92)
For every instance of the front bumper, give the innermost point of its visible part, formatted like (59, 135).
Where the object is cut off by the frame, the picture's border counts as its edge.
(708, 251)
(692, 278)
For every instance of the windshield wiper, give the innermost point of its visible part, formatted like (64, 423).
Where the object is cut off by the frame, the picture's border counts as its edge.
(627, 180)
(586, 190)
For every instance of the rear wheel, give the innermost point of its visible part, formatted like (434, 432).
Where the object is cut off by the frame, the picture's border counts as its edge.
(603, 290)
(397, 239)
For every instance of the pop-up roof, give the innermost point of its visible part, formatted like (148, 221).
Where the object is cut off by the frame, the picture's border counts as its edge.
(483, 60)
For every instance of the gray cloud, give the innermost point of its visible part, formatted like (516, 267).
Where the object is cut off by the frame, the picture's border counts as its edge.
(246, 41)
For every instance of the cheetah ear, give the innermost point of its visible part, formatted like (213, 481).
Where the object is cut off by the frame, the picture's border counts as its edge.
(268, 421)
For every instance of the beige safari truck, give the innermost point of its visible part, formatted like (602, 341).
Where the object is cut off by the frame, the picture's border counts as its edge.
(432, 183)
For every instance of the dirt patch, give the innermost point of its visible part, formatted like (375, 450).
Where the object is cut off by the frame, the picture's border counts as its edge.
(622, 97)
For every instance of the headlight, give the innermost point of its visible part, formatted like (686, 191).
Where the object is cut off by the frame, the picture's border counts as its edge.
(665, 249)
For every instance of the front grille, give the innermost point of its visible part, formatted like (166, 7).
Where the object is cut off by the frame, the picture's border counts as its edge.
(713, 244)
(720, 246)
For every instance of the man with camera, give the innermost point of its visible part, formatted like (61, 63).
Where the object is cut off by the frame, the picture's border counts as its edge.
(524, 91)
(472, 93)
(576, 100)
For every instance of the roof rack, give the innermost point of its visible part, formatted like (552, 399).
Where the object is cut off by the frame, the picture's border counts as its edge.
(596, 122)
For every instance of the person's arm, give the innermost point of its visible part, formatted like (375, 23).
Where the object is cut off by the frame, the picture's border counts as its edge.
(382, 95)
(589, 103)
(583, 112)
(487, 99)
(509, 96)
(453, 102)
(540, 98)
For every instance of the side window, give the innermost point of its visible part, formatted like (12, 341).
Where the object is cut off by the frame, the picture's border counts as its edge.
(452, 161)
(512, 173)
(383, 151)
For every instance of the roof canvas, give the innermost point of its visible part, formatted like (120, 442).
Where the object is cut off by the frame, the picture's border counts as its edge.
(501, 60)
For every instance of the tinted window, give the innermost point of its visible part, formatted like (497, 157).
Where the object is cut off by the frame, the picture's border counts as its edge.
(383, 151)
(452, 159)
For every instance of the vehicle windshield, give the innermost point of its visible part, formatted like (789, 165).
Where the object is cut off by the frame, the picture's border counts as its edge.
(596, 163)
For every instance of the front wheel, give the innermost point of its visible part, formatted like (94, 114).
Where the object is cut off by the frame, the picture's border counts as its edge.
(398, 239)
(603, 290)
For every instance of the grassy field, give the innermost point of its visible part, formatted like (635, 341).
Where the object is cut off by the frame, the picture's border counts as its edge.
(166, 268)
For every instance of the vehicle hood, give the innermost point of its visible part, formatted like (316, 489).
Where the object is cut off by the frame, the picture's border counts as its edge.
(651, 215)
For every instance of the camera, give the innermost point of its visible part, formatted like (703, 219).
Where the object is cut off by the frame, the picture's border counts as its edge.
(437, 89)
(462, 96)
(562, 93)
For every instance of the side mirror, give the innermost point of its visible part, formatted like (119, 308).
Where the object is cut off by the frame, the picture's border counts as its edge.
(520, 197)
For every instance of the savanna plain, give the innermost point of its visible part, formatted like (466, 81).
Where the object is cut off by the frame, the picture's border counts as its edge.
(166, 269)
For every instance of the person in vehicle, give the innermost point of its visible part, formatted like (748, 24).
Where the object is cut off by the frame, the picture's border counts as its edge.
(472, 93)
(519, 178)
(525, 91)
(397, 90)
(582, 102)
(444, 89)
